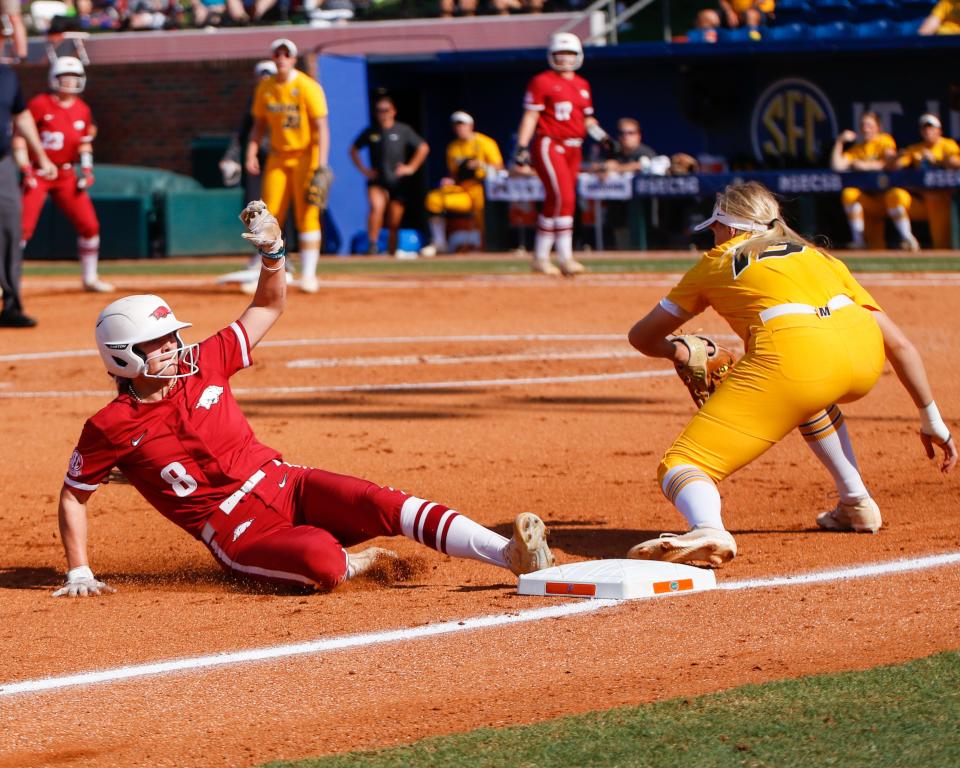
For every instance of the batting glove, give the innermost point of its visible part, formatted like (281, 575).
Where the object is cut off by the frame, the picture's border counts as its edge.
(521, 158)
(81, 583)
(264, 229)
(85, 179)
(29, 178)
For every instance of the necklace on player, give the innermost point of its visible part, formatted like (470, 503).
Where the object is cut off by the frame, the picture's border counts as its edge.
(133, 391)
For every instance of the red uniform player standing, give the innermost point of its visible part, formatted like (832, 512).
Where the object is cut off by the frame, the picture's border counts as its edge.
(179, 437)
(558, 114)
(66, 131)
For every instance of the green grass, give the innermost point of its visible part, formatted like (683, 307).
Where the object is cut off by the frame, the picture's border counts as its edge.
(505, 266)
(887, 717)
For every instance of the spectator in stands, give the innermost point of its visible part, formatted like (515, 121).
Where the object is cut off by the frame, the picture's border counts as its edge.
(709, 21)
(504, 7)
(746, 13)
(469, 157)
(865, 211)
(396, 153)
(628, 153)
(930, 205)
(467, 8)
(14, 113)
(11, 17)
(943, 20)
(152, 14)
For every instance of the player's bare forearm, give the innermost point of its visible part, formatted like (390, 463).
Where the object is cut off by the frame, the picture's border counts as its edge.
(72, 517)
(838, 162)
(906, 361)
(27, 128)
(323, 140)
(649, 336)
(930, 26)
(528, 126)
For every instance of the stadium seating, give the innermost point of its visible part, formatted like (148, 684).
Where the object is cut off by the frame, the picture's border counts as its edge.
(915, 9)
(835, 30)
(793, 12)
(827, 11)
(873, 10)
(787, 32)
(702, 36)
(739, 35)
(876, 28)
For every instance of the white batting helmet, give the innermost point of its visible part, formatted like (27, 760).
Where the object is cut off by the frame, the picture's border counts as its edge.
(67, 65)
(133, 320)
(565, 42)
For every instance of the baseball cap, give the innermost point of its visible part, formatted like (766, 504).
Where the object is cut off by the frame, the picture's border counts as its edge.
(264, 68)
(930, 119)
(461, 117)
(282, 42)
(731, 221)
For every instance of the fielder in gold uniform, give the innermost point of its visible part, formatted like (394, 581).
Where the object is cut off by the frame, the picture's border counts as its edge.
(291, 105)
(469, 156)
(944, 19)
(866, 211)
(813, 336)
(930, 205)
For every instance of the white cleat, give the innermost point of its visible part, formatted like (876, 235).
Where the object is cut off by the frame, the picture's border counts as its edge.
(428, 251)
(98, 286)
(527, 550)
(713, 546)
(861, 517)
(571, 268)
(544, 267)
(363, 561)
(309, 284)
(910, 243)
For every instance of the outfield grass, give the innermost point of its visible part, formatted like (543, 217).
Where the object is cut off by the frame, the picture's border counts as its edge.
(887, 717)
(465, 266)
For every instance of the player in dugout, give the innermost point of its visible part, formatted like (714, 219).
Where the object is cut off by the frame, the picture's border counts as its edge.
(866, 211)
(177, 434)
(814, 337)
(930, 205)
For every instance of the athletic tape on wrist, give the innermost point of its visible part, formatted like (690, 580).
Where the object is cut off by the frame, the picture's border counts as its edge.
(80, 572)
(931, 423)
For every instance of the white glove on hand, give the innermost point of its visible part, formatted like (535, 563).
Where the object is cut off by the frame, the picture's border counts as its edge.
(81, 583)
(264, 229)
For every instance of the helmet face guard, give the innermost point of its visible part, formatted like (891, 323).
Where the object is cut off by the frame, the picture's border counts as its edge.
(134, 320)
(67, 65)
(565, 43)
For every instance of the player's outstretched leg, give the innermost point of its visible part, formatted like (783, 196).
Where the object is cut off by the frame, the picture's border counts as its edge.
(827, 436)
(696, 497)
(452, 533)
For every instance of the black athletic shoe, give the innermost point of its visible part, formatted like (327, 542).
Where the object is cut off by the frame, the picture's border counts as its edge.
(16, 320)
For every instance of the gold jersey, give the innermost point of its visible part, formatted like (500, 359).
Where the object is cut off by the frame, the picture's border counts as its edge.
(764, 6)
(290, 110)
(740, 288)
(875, 149)
(913, 156)
(948, 11)
(480, 147)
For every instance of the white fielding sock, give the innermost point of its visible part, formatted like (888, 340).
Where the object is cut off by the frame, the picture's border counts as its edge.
(694, 494)
(855, 220)
(827, 436)
(543, 245)
(901, 221)
(89, 252)
(438, 233)
(564, 246)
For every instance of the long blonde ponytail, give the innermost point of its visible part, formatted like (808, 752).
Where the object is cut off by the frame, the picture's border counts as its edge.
(754, 202)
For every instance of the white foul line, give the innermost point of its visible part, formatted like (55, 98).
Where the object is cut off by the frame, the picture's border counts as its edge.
(401, 387)
(444, 628)
(403, 360)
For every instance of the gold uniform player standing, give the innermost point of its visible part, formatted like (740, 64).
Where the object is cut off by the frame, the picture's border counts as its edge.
(814, 337)
(293, 107)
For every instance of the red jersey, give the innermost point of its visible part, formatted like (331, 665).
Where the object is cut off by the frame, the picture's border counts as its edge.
(563, 104)
(62, 129)
(186, 453)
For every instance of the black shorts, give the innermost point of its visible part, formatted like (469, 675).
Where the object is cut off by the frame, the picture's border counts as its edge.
(400, 190)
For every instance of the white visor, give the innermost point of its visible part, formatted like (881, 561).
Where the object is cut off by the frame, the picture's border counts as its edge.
(731, 221)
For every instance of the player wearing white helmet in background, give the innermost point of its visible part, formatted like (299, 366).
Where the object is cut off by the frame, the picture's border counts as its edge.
(558, 114)
(177, 434)
(67, 132)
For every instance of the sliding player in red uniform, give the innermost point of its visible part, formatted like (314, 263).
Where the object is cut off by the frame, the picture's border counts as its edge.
(177, 434)
(558, 114)
(66, 131)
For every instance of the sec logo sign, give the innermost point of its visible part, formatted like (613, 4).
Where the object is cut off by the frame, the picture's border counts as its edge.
(793, 123)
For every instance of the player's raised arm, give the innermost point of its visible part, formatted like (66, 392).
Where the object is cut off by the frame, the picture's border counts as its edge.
(271, 295)
(72, 515)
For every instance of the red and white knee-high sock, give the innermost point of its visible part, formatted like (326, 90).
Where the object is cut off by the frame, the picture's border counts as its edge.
(694, 494)
(88, 249)
(827, 436)
(543, 245)
(563, 232)
(447, 531)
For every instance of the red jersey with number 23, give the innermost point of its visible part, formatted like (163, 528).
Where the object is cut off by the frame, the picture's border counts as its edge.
(186, 453)
(563, 104)
(62, 129)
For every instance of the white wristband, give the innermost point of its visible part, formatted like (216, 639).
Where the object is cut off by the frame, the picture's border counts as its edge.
(932, 424)
(86, 159)
(79, 573)
(597, 133)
